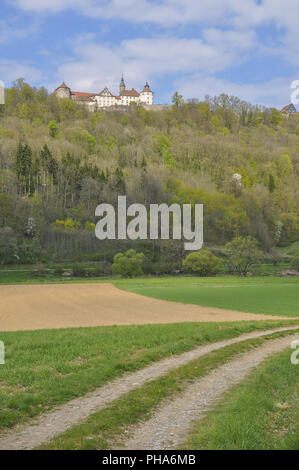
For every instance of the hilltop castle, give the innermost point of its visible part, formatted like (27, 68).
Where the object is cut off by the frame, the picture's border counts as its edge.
(105, 98)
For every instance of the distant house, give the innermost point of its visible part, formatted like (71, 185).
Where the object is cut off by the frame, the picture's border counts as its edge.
(289, 110)
(105, 98)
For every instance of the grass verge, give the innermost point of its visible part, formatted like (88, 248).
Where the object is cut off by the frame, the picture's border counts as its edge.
(260, 413)
(106, 428)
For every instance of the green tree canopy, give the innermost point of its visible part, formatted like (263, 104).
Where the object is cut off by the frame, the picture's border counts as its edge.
(242, 253)
(202, 263)
(128, 264)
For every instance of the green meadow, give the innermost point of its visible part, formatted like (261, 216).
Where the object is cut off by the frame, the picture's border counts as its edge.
(267, 295)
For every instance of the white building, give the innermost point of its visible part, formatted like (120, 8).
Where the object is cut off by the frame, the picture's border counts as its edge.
(105, 98)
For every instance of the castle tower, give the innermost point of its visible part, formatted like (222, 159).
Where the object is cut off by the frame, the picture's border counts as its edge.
(63, 91)
(147, 87)
(122, 85)
(147, 96)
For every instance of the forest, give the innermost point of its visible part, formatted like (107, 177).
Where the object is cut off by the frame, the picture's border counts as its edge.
(58, 162)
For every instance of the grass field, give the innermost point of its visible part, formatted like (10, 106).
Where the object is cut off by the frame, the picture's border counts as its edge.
(267, 295)
(48, 367)
(260, 413)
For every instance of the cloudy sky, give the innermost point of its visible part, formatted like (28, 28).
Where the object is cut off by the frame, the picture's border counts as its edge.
(248, 48)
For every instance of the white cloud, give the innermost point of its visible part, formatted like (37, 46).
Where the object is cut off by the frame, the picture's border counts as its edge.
(233, 14)
(165, 12)
(236, 40)
(146, 59)
(52, 6)
(12, 69)
(173, 12)
(9, 31)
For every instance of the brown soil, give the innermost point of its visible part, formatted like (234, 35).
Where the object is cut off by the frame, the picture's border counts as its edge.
(34, 307)
(43, 428)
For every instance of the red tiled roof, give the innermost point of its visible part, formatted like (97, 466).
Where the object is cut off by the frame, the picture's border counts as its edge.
(288, 107)
(63, 85)
(82, 93)
(82, 96)
(132, 92)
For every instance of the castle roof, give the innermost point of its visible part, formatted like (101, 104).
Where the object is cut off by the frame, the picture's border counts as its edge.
(289, 108)
(63, 85)
(82, 96)
(147, 88)
(132, 92)
(105, 92)
(122, 82)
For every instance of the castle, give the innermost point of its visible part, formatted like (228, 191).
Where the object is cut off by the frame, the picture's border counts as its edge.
(289, 110)
(105, 98)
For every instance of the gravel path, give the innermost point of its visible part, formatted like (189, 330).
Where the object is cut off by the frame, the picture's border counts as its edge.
(171, 422)
(47, 425)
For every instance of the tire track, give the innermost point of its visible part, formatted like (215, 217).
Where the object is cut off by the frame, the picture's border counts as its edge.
(170, 424)
(43, 428)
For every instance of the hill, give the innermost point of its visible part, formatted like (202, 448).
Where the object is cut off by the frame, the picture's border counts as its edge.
(58, 162)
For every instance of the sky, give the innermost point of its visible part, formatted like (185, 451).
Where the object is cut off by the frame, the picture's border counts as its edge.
(246, 48)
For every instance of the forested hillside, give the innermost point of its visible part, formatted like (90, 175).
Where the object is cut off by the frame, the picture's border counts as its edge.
(58, 162)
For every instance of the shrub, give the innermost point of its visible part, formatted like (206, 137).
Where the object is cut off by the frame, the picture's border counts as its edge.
(58, 270)
(202, 263)
(242, 253)
(78, 271)
(128, 264)
(295, 262)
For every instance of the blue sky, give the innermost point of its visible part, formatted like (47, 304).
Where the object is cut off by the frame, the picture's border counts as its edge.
(248, 48)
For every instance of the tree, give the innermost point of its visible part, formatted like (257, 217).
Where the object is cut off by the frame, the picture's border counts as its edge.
(6, 210)
(177, 99)
(128, 264)
(53, 128)
(48, 163)
(271, 183)
(295, 262)
(23, 167)
(202, 263)
(242, 253)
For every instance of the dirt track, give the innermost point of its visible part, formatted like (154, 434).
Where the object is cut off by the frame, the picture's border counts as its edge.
(172, 420)
(44, 427)
(33, 307)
